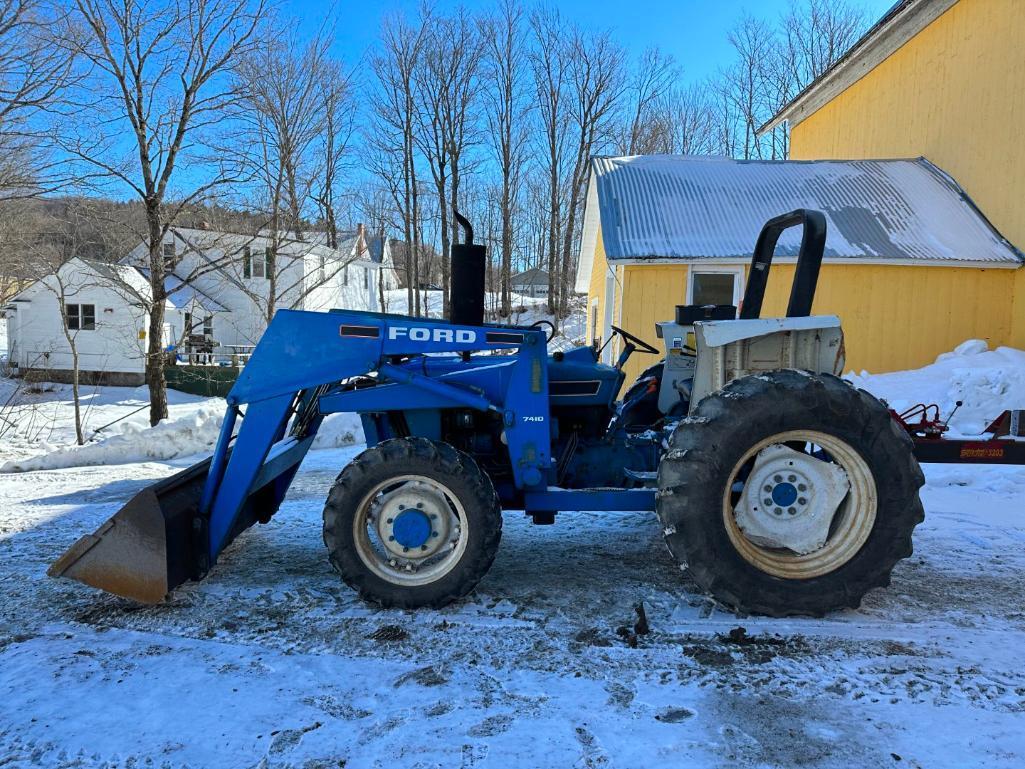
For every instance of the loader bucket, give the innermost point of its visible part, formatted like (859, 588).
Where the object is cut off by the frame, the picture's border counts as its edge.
(148, 547)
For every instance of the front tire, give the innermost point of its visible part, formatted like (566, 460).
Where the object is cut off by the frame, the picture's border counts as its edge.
(412, 523)
(736, 494)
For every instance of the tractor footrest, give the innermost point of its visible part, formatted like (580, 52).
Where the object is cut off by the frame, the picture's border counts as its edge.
(542, 517)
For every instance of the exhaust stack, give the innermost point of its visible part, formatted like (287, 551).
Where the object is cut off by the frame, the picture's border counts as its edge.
(468, 266)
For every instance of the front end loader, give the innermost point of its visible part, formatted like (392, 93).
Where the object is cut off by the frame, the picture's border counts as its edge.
(779, 487)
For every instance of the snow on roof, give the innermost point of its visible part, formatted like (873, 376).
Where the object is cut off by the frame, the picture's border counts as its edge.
(182, 294)
(122, 274)
(686, 207)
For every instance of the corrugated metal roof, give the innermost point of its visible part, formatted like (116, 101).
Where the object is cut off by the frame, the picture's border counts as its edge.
(671, 206)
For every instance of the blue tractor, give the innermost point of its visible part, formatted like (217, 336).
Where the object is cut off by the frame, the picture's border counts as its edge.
(782, 489)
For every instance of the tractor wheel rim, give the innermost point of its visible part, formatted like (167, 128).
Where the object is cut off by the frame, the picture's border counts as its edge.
(410, 530)
(850, 522)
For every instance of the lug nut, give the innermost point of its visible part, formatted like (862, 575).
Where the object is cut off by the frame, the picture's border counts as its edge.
(419, 505)
(792, 510)
(434, 516)
(777, 478)
(434, 533)
(791, 478)
(802, 501)
(423, 547)
(405, 550)
(801, 487)
(391, 539)
(391, 520)
(767, 502)
(402, 507)
(778, 511)
(768, 488)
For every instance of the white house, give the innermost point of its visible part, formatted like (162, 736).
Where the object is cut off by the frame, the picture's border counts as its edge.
(106, 316)
(218, 287)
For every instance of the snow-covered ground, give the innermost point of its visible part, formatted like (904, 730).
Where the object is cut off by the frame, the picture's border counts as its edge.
(272, 662)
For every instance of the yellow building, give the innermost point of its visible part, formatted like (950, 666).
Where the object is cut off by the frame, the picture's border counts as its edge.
(911, 266)
(937, 78)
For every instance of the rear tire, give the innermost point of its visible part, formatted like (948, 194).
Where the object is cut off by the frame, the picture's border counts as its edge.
(450, 488)
(699, 478)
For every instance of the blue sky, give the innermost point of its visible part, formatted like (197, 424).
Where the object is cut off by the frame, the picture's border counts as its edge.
(694, 31)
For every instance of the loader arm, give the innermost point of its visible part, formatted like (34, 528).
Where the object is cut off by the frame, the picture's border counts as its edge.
(175, 530)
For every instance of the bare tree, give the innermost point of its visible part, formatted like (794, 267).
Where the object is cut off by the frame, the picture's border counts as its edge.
(684, 119)
(447, 87)
(34, 76)
(391, 136)
(646, 88)
(339, 126)
(817, 33)
(159, 77)
(294, 96)
(507, 121)
(596, 82)
(744, 83)
(550, 67)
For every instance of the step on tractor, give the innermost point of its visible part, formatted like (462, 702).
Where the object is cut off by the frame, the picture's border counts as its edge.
(779, 487)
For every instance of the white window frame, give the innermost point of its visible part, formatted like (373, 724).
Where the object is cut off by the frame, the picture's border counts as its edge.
(78, 316)
(735, 270)
(609, 303)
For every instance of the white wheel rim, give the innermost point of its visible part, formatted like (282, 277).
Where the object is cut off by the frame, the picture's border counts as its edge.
(388, 552)
(851, 520)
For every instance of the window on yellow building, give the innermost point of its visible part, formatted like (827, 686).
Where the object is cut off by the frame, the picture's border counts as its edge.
(720, 286)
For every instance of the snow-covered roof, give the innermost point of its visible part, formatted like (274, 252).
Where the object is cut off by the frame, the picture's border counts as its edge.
(312, 243)
(120, 275)
(182, 294)
(665, 207)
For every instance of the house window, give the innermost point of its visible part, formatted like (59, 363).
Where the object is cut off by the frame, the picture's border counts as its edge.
(345, 276)
(720, 286)
(169, 255)
(268, 261)
(323, 268)
(81, 317)
(247, 262)
(208, 326)
(595, 339)
(258, 268)
(366, 278)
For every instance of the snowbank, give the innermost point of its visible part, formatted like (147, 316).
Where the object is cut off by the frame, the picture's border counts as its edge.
(987, 382)
(192, 428)
(136, 442)
(339, 430)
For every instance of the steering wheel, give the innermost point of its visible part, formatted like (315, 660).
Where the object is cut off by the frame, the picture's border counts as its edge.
(539, 323)
(640, 344)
